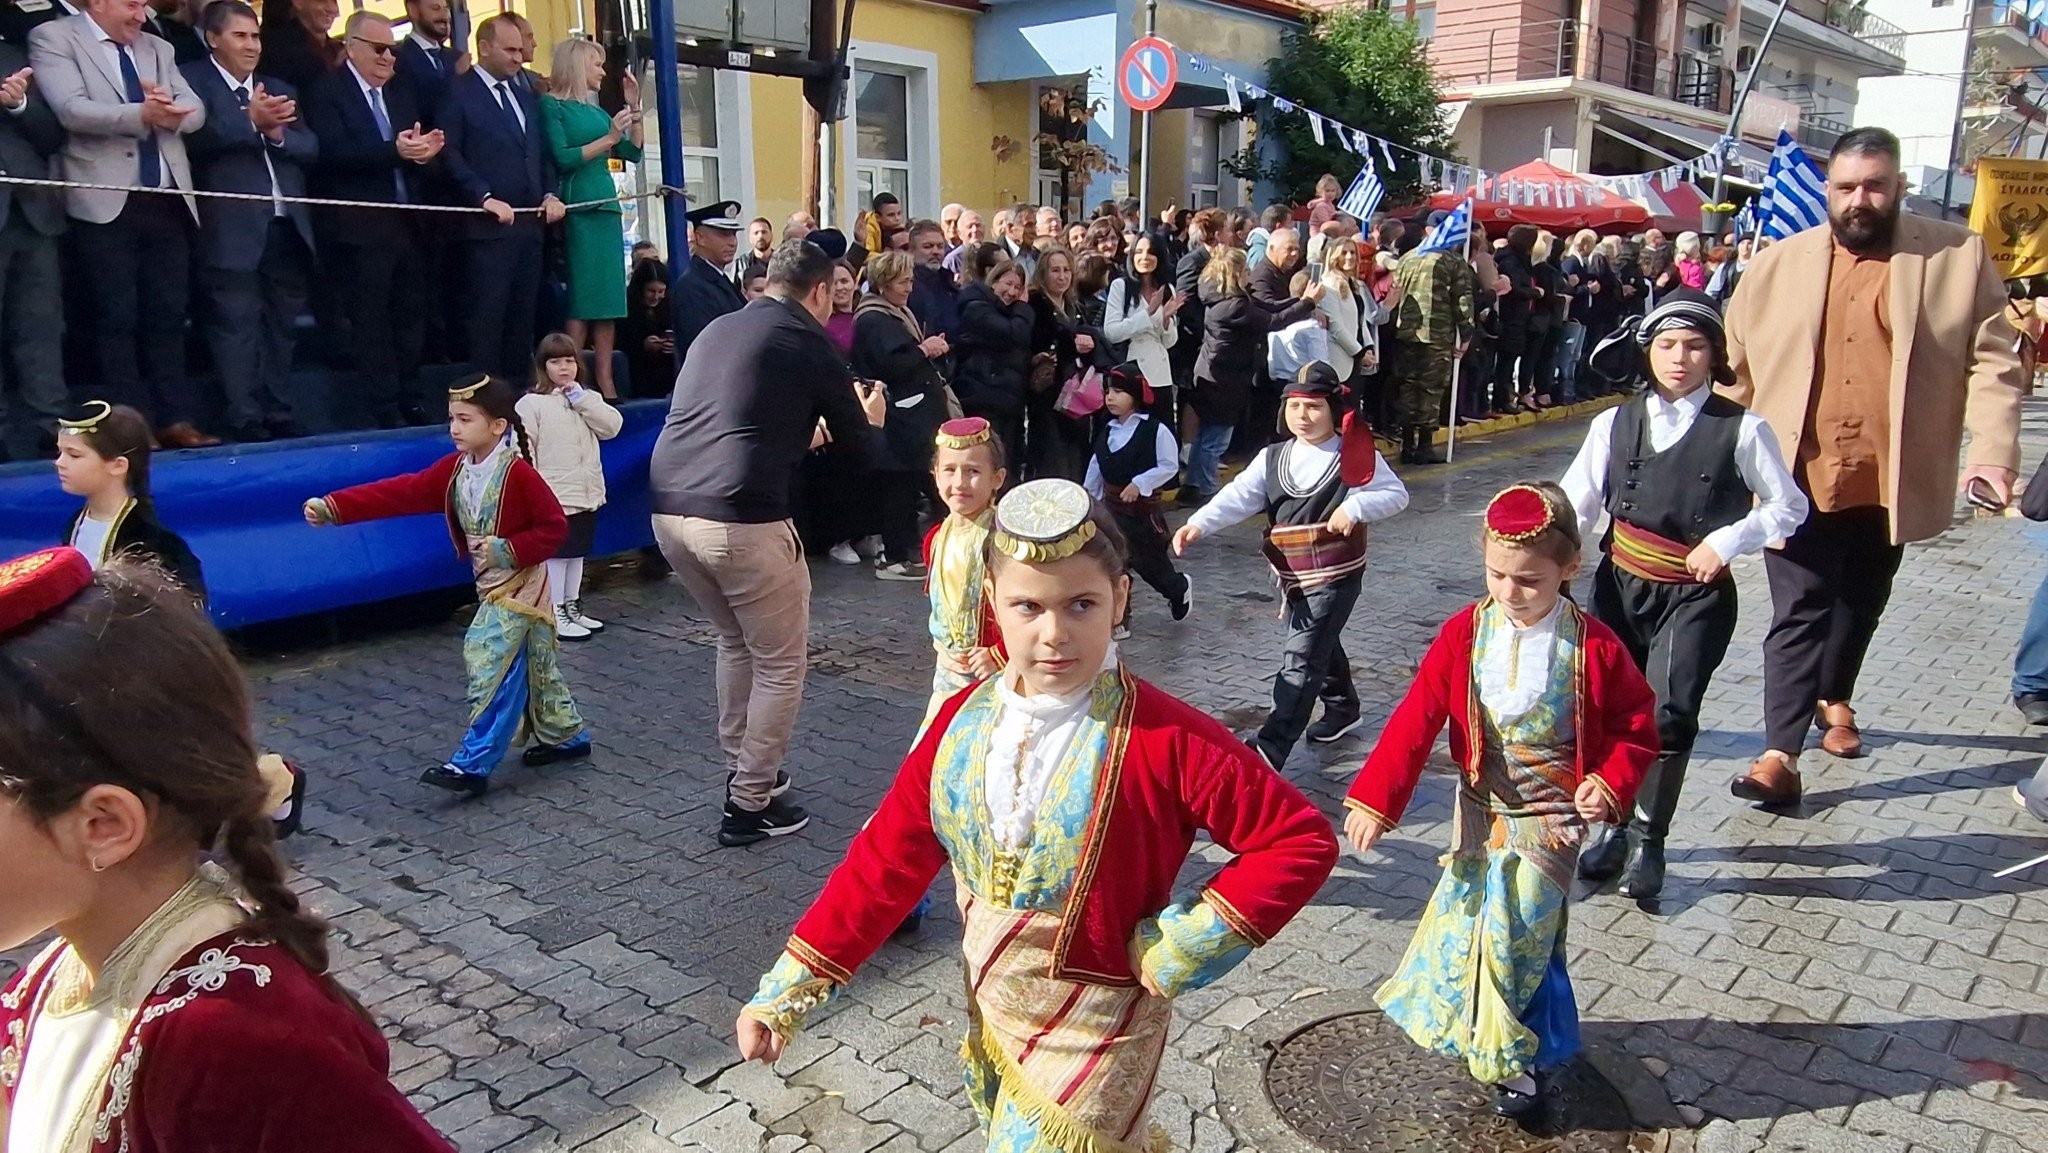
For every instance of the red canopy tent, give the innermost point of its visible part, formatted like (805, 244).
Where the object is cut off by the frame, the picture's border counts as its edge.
(1677, 209)
(1548, 197)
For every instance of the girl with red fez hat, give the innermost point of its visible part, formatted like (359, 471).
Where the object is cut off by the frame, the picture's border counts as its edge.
(1691, 481)
(184, 1004)
(1064, 795)
(1552, 727)
(1134, 456)
(1318, 491)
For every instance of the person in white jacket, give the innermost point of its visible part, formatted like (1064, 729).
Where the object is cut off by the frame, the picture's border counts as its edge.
(1139, 315)
(565, 421)
(1353, 314)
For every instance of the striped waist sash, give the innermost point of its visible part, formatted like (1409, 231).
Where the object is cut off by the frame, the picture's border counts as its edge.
(1642, 553)
(1309, 556)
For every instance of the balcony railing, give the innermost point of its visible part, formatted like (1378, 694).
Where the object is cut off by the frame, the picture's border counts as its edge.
(1883, 35)
(1550, 50)
(2012, 14)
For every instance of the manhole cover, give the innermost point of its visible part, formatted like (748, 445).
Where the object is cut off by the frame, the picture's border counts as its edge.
(1356, 1082)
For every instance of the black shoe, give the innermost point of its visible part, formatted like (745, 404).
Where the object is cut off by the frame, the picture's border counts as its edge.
(286, 428)
(1186, 604)
(539, 755)
(455, 780)
(251, 433)
(910, 926)
(1191, 498)
(1333, 726)
(1518, 1106)
(780, 786)
(290, 817)
(415, 415)
(742, 827)
(1426, 453)
(2033, 706)
(1645, 876)
(1605, 849)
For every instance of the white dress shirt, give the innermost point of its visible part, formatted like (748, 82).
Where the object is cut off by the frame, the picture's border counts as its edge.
(1780, 506)
(91, 539)
(248, 87)
(1165, 457)
(1039, 729)
(1515, 669)
(502, 92)
(1306, 464)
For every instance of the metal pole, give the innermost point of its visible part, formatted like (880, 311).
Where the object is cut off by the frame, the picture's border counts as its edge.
(1451, 429)
(1145, 134)
(1742, 97)
(1955, 140)
(668, 114)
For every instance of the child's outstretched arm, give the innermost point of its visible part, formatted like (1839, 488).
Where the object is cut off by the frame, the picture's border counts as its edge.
(415, 493)
(1385, 784)
(1243, 497)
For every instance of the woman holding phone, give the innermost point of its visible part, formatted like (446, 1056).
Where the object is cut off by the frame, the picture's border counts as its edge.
(1140, 316)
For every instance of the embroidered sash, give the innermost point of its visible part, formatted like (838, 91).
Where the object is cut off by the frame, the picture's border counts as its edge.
(522, 590)
(1528, 768)
(1642, 553)
(1308, 556)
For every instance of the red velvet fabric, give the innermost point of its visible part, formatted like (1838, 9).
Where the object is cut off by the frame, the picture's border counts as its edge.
(1617, 719)
(530, 519)
(1178, 771)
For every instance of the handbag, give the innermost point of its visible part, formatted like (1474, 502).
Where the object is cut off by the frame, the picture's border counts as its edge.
(1081, 397)
(1042, 375)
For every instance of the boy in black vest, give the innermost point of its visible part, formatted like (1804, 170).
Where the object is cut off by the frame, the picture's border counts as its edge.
(1692, 481)
(1135, 456)
(1318, 491)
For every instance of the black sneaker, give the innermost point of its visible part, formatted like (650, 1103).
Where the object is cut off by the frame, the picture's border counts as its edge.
(1515, 1104)
(456, 781)
(1332, 727)
(1186, 604)
(2033, 706)
(742, 827)
(539, 755)
(780, 787)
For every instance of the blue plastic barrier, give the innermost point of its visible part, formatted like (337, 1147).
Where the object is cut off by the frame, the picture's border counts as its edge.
(238, 506)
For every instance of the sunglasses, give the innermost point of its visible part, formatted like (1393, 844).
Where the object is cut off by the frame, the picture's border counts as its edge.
(376, 47)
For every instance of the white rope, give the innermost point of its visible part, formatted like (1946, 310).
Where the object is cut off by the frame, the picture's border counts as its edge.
(266, 198)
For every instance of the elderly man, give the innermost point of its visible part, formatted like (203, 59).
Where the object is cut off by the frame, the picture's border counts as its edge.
(127, 108)
(746, 405)
(969, 232)
(949, 224)
(799, 225)
(1019, 228)
(1869, 383)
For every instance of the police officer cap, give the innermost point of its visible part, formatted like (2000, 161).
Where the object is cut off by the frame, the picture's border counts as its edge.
(723, 215)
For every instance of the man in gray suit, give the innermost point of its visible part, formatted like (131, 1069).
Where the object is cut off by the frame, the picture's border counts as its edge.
(127, 107)
(31, 322)
(254, 257)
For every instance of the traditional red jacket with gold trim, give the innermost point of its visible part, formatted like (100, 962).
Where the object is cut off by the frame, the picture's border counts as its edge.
(530, 519)
(1174, 770)
(1617, 720)
(238, 1049)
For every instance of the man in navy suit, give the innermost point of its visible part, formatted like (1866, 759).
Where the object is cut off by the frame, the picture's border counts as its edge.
(372, 147)
(425, 60)
(499, 159)
(255, 256)
(703, 291)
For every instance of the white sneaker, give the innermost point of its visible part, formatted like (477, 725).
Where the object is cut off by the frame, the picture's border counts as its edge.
(566, 626)
(1120, 633)
(576, 614)
(842, 553)
(868, 546)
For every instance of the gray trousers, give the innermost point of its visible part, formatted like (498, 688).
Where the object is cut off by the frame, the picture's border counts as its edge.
(32, 393)
(249, 319)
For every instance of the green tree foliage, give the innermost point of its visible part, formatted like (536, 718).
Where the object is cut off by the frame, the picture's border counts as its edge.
(1369, 69)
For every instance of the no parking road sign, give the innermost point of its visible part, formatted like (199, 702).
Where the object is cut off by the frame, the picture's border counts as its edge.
(1146, 74)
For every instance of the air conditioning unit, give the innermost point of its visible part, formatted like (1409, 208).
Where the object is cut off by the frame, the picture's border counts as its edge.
(1706, 39)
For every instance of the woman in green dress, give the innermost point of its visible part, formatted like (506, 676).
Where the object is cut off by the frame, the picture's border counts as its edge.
(584, 140)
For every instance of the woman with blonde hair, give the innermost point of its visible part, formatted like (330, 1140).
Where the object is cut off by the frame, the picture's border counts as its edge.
(1584, 287)
(584, 140)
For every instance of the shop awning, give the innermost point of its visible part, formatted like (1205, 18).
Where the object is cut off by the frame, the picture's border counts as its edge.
(1678, 142)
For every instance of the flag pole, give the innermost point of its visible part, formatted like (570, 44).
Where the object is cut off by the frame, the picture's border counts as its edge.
(1451, 426)
(1742, 95)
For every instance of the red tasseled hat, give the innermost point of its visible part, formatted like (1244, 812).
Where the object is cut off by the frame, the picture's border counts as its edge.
(34, 586)
(1357, 460)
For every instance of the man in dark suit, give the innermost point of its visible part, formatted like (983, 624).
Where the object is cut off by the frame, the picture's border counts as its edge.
(31, 316)
(499, 159)
(704, 292)
(255, 257)
(373, 148)
(425, 59)
(19, 17)
(166, 22)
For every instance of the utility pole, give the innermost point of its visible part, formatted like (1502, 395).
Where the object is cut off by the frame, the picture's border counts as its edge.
(1955, 140)
(1145, 132)
(1747, 82)
(668, 127)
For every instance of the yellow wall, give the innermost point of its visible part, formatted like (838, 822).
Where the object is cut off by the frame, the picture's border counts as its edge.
(551, 19)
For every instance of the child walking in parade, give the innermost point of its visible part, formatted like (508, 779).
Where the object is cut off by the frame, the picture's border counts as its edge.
(564, 422)
(1552, 727)
(1318, 491)
(969, 470)
(1134, 456)
(503, 518)
(1064, 794)
(183, 1004)
(1692, 481)
(103, 455)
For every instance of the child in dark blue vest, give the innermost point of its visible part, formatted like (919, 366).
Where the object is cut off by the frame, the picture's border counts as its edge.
(1135, 456)
(1691, 480)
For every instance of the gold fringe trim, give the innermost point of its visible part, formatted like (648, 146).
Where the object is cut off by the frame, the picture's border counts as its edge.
(1042, 552)
(962, 443)
(1053, 1122)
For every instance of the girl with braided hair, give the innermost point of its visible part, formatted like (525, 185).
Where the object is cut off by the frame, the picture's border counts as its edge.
(184, 1004)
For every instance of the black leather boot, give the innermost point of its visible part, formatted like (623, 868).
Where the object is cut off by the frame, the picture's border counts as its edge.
(1602, 856)
(1644, 878)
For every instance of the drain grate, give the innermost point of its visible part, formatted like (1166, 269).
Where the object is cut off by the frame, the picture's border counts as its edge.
(1356, 1082)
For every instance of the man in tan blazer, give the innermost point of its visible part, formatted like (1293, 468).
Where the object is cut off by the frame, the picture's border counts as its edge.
(1868, 346)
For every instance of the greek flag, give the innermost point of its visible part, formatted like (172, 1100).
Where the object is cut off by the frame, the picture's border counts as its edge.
(1363, 198)
(1795, 195)
(1453, 234)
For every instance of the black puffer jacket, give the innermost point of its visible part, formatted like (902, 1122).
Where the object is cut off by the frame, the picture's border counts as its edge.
(883, 350)
(993, 354)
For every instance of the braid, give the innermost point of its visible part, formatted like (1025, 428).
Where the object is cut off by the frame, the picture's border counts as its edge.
(251, 845)
(519, 437)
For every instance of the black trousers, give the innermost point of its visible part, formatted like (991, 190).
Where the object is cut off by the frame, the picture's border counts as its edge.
(32, 399)
(897, 493)
(1829, 585)
(1312, 665)
(1507, 356)
(386, 311)
(504, 289)
(138, 267)
(1057, 446)
(249, 320)
(1678, 635)
(1151, 553)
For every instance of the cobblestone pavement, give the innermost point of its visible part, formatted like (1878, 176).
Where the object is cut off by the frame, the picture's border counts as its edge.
(559, 964)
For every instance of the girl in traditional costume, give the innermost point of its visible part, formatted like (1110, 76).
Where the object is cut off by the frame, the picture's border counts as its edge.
(1691, 481)
(103, 455)
(969, 469)
(503, 517)
(1551, 727)
(1065, 794)
(1133, 457)
(183, 1006)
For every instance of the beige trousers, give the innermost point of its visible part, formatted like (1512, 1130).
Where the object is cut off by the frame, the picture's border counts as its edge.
(753, 584)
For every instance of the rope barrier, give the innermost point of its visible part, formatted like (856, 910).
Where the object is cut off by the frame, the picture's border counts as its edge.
(322, 201)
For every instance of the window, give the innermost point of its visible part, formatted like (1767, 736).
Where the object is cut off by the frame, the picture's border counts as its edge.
(1061, 119)
(700, 133)
(1424, 19)
(1205, 151)
(717, 164)
(891, 140)
(881, 116)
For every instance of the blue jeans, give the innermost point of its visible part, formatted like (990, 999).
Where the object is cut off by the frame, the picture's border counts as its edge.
(1568, 362)
(1205, 458)
(2030, 667)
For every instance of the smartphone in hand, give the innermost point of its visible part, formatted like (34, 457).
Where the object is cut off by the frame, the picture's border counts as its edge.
(1315, 271)
(1980, 494)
